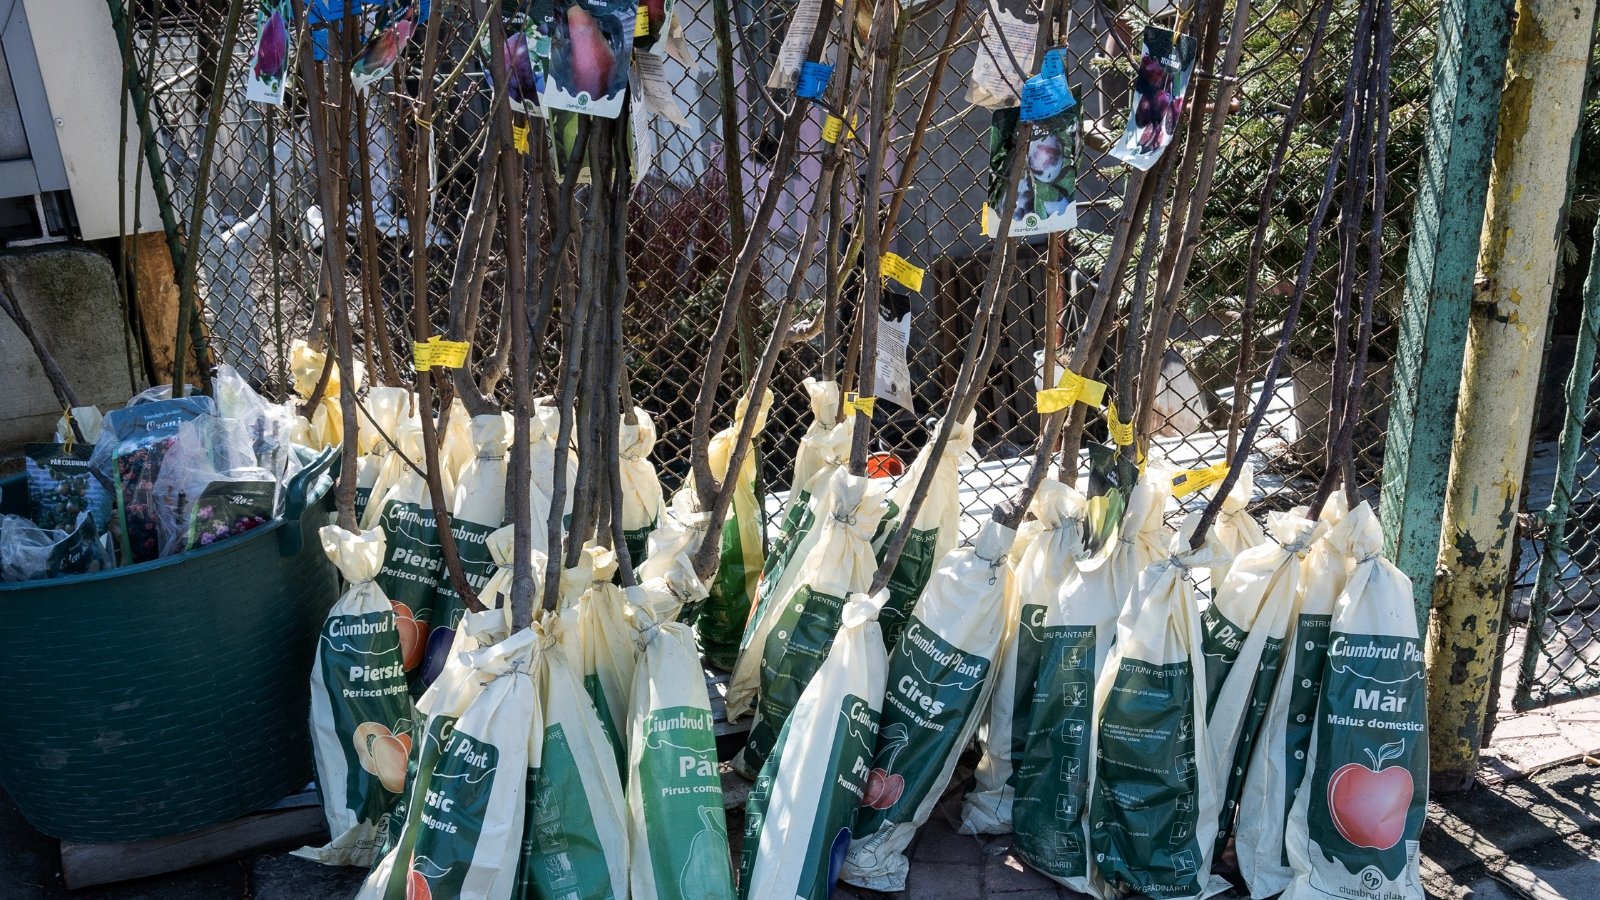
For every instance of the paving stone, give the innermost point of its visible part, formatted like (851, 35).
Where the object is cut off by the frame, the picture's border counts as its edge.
(944, 881)
(1008, 874)
(938, 842)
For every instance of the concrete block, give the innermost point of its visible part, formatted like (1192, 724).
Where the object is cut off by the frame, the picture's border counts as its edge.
(69, 294)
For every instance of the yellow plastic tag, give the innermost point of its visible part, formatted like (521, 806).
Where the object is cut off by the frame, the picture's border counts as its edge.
(1073, 388)
(983, 218)
(519, 138)
(1121, 432)
(854, 403)
(1187, 481)
(895, 267)
(641, 22)
(437, 352)
(833, 125)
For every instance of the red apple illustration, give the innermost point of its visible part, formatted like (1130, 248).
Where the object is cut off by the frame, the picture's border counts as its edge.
(1369, 803)
(883, 787)
(413, 635)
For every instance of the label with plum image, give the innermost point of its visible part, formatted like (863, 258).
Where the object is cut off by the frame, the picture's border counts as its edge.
(1145, 805)
(359, 657)
(1053, 775)
(853, 779)
(1368, 790)
(933, 687)
(1309, 656)
(562, 854)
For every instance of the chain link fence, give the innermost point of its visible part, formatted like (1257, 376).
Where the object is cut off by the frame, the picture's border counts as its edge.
(263, 229)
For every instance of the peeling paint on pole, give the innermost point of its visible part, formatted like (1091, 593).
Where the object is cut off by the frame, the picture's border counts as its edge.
(1539, 113)
(1468, 71)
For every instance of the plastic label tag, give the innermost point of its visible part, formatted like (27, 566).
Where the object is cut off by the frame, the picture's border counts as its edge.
(519, 138)
(641, 22)
(1121, 432)
(1187, 481)
(440, 353)
(854, 403)
(1072, 388)
(833, 125)
(1047, 94)
(895, 267)
(814, 78)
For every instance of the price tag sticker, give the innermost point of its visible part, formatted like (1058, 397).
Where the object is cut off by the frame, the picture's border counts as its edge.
(814, 78)
(436, 352)
(641, 22)
(895, 268)
(1187, 481)
(1072, 388)
(519, 138)
(832, 126)
(854, 403)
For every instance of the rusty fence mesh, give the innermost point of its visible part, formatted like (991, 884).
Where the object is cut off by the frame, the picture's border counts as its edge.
(263, 230)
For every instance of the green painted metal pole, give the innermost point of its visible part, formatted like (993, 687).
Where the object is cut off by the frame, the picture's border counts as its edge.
(1468, 70)
(1540, 111)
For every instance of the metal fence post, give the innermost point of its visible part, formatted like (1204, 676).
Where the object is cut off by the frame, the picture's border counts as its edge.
(1540, 112)
(1468, 70)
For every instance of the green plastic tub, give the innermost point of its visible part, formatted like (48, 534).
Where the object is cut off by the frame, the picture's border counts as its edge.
(161, 698)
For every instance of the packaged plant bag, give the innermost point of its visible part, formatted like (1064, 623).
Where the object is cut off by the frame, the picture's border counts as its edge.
(600, 643)
(396, 463)
(1242, 636)
(668, 555)
(935, 532)
(1235, 530)
(1054, 540)
(411, 569)
(477, 507)
(544, 430)
(29, 553)
(939, 681)
(1278, 756)
(456, 444)
(825, 446)
(210, 488)
(325, 427)
(1055, 774)
(1356, 823)
(61, 485)
(387, 406)
(269, 426)
(462, 834)
(678, 832)
(1153, 811)
(576, 839)
(362, 721)
(1143, 535)
(133, 443)
(800, 812)
(733, 590)
(805, 620)
(641, 488)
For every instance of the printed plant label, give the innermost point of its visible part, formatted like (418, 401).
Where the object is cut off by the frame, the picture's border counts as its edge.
(359, 658)
(1144, 807)
(267, 72)
(906, 583)
(1220, 642)
(933, 688)
(406, 818)
(61, 485)
(1032, 638)
(452, 813)
(1369, 788)
(1311, 653)
(1159, 91)
(795, 650)
(682, 792)
(562, 853)
(1048, 813)
(410, 573)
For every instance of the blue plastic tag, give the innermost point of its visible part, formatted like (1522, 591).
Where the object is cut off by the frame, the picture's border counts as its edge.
(1046, 94)
(814, 78)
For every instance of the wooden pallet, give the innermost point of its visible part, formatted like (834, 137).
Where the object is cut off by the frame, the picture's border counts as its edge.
(294, 821)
